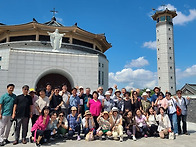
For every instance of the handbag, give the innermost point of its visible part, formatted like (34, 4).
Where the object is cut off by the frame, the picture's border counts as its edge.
(89, 136)
(178, 111)
(171, 136)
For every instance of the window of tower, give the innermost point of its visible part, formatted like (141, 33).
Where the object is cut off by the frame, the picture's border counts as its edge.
(159, 78)
(168, 18)
(157, 39)
(170, 67)
(171, 87)
(171, 77)
(170, 48)
(158, 58)
(162, 18)
(158, 49)
(169, 38)
(157, 31)
(169, 29)
(157, 20)
(159, 68)
(170, 58)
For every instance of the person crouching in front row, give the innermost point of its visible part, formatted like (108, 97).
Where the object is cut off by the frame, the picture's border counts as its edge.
(104, 125)
(39, 127)
(88, 123)
(116, 121)
(74, 121)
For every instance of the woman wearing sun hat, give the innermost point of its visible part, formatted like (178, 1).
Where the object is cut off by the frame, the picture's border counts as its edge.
(116, 121)
(88, 123)
(145, 103)
(104, 124)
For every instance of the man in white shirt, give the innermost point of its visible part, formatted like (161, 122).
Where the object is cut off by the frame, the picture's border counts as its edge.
(65, 94)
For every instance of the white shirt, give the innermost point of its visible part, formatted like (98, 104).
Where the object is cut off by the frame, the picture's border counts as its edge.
(163, 123)
(171, 106)
(89, 122)
(101, 97)
(41, 103)
(151, 120)
(65, 98)
(180, 100)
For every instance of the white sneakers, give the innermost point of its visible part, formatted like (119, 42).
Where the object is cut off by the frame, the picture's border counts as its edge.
(134, 139)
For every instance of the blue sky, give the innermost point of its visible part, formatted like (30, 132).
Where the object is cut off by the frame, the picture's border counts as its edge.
(128, 26)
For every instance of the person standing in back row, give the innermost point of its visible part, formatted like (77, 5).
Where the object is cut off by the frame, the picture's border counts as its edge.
(22, 111)
(182, 103)
(6, 109)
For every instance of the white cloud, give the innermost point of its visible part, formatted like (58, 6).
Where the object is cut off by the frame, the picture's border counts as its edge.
(59, 19)
(181, 18)
(150, 45)
(188, 72)
(139, 62)
(129, 78)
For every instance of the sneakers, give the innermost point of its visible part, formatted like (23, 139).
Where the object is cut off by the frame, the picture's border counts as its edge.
(134, 139)
(2, 143)
(78, 138)
(37, 145)
(121, 139)
(145, 136)
(6, 141)
(176, 134)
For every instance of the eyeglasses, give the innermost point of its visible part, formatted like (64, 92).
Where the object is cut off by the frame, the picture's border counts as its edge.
(26, 89)
(61, 115)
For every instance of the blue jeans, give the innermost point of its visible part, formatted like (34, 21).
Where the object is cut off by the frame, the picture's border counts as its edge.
(174, 123)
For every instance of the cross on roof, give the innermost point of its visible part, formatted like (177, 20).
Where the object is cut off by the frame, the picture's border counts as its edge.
(54, 12)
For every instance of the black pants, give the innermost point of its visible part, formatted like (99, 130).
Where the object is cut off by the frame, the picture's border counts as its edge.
(34, 118)
(153, 130)
(96, 123)
(184, 126)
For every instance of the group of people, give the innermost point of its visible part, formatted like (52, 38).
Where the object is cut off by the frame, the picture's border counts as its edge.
(59, 113)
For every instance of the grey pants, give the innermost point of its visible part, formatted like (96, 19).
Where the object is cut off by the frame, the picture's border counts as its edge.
(24, 122)
(5, 124)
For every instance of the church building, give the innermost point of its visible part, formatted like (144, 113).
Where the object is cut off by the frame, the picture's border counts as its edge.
(27, 57)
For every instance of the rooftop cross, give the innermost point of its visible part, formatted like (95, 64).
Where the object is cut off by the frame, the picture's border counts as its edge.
(54, 12)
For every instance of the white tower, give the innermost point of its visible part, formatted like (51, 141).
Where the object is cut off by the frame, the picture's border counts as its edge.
(165, 50)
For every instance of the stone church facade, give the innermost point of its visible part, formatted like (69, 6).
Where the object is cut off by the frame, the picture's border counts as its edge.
(26, 56)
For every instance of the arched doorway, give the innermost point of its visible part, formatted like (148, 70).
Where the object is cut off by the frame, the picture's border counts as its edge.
(54, 79)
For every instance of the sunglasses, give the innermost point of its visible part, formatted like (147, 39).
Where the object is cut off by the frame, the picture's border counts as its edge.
(26, 89)
(61, 115)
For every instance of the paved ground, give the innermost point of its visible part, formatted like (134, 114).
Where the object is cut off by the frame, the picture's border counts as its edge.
(180, 141)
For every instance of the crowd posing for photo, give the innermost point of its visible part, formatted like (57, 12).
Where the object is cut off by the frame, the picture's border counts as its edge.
(57, 113)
